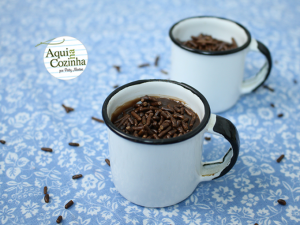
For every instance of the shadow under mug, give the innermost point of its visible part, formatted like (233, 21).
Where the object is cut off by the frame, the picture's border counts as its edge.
(218, 75)
(159, 173)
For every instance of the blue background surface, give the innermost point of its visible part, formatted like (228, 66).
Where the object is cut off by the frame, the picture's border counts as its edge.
(128, 34)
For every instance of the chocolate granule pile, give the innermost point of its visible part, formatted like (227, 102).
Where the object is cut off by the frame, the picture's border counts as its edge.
(155, 118)
(208, 43)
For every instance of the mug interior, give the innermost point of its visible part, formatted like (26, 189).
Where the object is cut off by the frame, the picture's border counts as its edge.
(160, 88)
(218, 28)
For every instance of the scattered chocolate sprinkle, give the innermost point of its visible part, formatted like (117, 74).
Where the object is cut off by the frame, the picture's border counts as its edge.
(107, 161)
(269, 88)
(164, 72)
(156, 60)
(45, 190)
(2, 141)
(67, 108)
(280, 158)
(69, 204)
(272, 105)
(144, 65)
(116, 86)
(47, 149)
(281, 202)
(256, 224)
(73, 144)
(77, 176)
(98, 120)
(46, 198)
(280, 115)
(295, 81)
(118, 68)
(207, 138)
(59, 219)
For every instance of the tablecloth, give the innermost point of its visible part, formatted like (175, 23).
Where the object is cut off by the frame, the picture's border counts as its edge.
(130, 33)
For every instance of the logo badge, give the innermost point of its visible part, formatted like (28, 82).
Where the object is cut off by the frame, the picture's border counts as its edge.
(65, 58)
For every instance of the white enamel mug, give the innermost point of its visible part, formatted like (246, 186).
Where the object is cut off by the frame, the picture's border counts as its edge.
(217, 75)
(158, 173)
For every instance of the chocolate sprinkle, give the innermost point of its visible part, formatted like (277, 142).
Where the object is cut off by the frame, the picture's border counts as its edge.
(164, 72)
(118, 68)
(272, 105)
(69, 204)
(98, 120)
(67, 108)
(2, 141)
(280, 158)
(45, 190)
(59, 219)
(207, 138)
(47, 149)
(156, 60)
(46, 198)
(280, 115)
(116, 86)
(107, 161)
(77, 176)
(73, 144)
(281, 202)
(144, 65)
(269, 88)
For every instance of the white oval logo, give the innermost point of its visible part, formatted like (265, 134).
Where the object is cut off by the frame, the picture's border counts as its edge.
(65, 58)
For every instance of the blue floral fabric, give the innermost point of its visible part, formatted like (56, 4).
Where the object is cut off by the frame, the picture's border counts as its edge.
(129, 33)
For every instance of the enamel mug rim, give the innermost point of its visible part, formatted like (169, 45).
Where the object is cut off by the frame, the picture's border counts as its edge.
(212, 53)
(189, 135)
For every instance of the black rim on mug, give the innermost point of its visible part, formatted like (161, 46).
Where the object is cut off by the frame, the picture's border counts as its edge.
(230, 51)
(184, 137)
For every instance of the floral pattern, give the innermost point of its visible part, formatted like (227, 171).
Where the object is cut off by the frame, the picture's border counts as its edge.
(29, 209)
(129, 33)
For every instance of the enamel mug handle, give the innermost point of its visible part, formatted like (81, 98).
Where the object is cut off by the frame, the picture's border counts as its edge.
(255, 82)
(222, 127)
